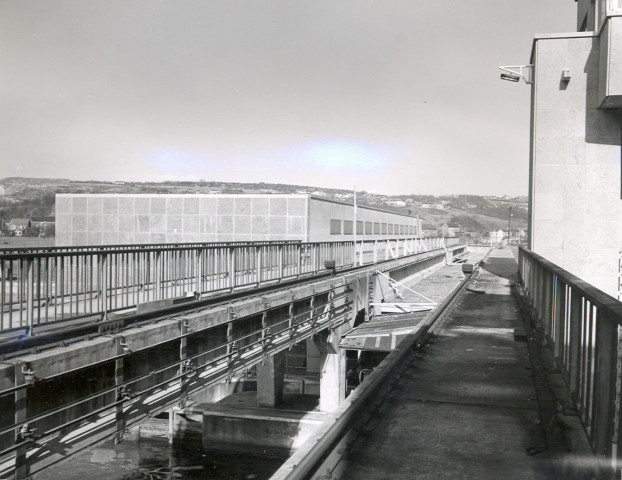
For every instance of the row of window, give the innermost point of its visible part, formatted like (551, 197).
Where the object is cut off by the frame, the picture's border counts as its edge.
(345, 227)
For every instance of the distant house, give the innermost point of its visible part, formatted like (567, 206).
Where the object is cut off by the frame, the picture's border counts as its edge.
(18, 224)
(429, 230)
(496, 237)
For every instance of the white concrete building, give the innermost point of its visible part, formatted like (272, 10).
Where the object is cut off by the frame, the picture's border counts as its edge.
(111, 219)
(575, 209)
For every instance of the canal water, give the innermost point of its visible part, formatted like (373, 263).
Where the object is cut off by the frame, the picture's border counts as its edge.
(154, 459)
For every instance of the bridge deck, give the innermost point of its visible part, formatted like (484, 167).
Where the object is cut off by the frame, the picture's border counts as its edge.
(468, 409)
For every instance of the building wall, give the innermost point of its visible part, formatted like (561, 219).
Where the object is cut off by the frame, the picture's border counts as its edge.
(373, 224)
(575, 191)
(142, 219)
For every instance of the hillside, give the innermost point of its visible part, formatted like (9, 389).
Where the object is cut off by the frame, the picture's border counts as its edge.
(476, 215)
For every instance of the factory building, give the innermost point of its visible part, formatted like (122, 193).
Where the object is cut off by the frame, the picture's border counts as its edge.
(575, 190)
(109, 219)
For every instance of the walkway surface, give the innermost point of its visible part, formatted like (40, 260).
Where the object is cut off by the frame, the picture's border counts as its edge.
(468, 408)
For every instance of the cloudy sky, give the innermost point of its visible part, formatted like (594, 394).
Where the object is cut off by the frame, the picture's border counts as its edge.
(393, 96)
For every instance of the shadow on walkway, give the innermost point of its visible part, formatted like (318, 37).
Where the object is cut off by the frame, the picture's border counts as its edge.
(505, 267)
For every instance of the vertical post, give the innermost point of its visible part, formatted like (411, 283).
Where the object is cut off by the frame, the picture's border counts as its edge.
(30, 301)
(22, 469)
(183, 366)
(118, 381)
(231, 263)
(375, 251)
(104, 286)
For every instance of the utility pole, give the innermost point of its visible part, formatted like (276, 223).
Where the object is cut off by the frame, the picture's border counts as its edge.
(510, 226)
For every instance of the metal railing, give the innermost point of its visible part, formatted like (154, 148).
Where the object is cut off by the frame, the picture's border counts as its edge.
(41, 286)
(583, 325)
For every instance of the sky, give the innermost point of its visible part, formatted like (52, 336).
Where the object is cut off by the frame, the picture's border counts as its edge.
(388, 96)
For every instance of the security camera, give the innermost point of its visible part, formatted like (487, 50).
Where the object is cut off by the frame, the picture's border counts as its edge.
(510, 77)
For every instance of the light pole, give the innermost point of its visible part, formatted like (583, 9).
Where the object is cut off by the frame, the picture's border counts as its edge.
(510, 226)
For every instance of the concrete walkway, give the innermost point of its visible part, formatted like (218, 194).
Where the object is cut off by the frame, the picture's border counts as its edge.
(468, 408)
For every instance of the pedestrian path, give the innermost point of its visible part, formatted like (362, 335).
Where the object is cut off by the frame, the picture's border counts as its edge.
(468, 408)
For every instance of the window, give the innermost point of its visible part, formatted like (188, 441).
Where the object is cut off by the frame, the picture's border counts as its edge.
(359, 227)
(335, 227)
(376, 228)
(347, 227)
(385, 230)
(368, 228)
(401, 229)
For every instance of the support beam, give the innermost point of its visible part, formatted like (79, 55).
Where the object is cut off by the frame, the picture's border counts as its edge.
(270, 377)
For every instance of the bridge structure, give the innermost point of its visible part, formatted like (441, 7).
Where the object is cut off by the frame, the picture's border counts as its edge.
(522, 357)
(95, 340)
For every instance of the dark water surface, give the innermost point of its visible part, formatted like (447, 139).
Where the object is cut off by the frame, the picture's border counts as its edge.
(154, 459)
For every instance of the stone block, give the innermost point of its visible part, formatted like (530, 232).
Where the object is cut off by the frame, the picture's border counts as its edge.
(260, 206)
(209, 206)
(242, 206)
(63, 205)
(174, 223)
(110, 206)
(110, 223)
(278, 206)
(261, 225)
(158, 205)
(295, 226)
(157, 223)
(142, 205)
(242, 224)
(278, 225)
(143, 224)
(573, 178)
(94, 238)
(79, 205)
(94, 223)
(192, 206)
(225, 225)
(192, 223)
(126, 205)
(175, 205)
(110, 238)
(226, 206)
(209, 224)
(157, 238)
(296, 207)
(127, 223)
(79, 238)
(94, 205)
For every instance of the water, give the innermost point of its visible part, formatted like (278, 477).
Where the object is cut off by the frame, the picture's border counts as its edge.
(154, 459)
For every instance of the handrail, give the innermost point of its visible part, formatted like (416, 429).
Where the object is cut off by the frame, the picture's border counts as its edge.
(583, 325)
(40, 287)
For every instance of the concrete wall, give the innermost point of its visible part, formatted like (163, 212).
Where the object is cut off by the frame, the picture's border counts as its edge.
(143, 219)
(150, 219)
(575, 206)
(321, 212)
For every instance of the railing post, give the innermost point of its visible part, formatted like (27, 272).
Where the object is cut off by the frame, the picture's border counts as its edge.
(231, 263)
(375, 251)
(104, 286)
(361, 253)
(259, 263)
(574, 360)
(29, 296)
(606, 350)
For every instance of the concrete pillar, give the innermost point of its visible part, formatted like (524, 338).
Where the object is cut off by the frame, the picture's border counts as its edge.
(270, 381)
(332, 372)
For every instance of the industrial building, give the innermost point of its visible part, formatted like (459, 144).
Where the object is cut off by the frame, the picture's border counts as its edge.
(108, 219)
(575, 214)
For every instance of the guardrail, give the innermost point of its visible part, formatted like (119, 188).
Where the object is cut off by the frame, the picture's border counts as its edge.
(51, 285)
(583, 325)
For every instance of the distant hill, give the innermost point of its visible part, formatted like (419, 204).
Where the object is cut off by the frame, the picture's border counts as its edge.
(23, 197)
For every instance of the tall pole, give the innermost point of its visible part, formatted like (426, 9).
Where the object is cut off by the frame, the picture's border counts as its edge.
(510, 226)
(354, 221)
